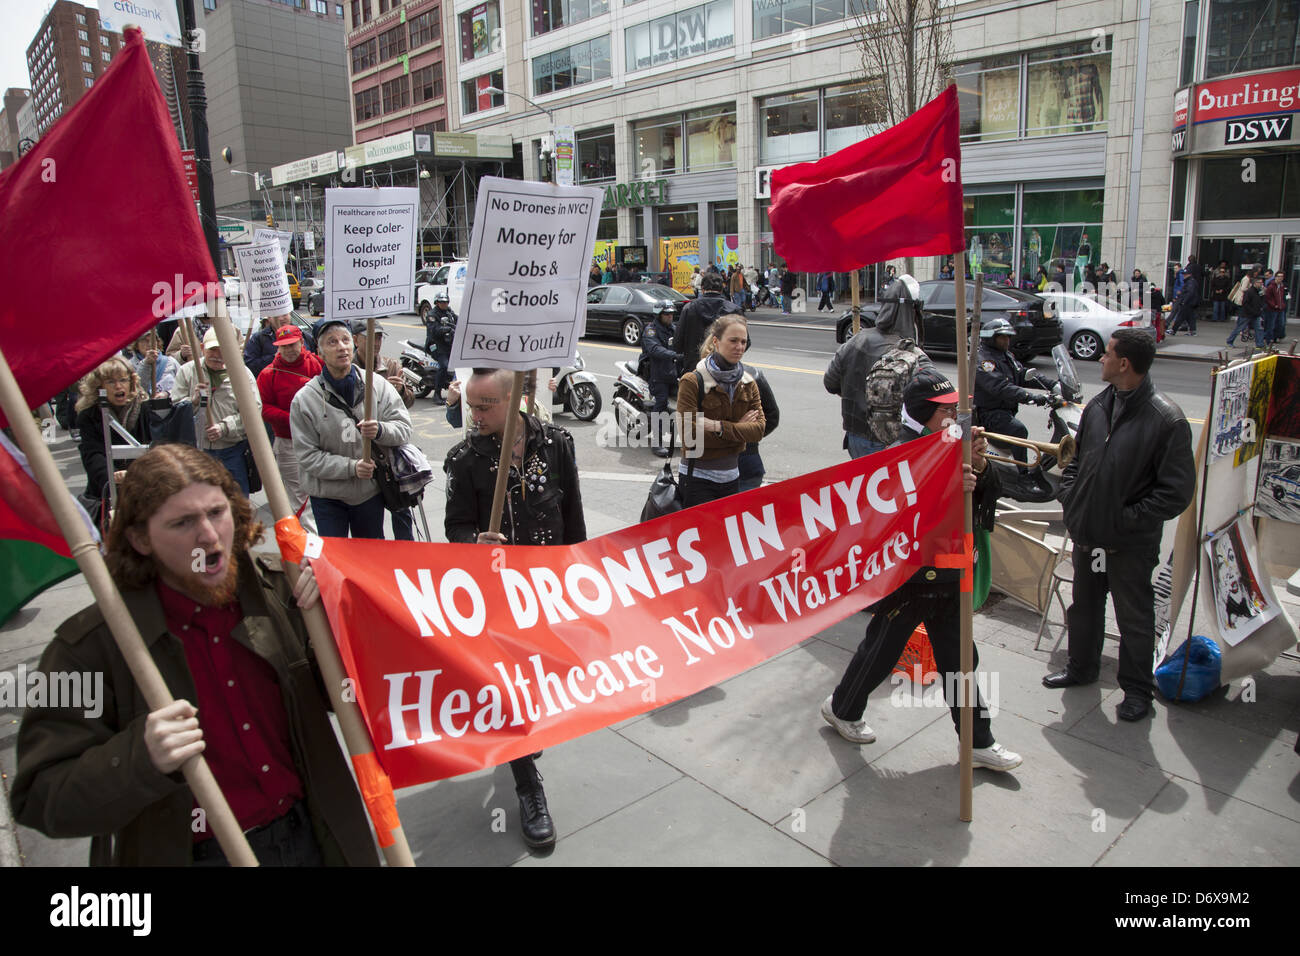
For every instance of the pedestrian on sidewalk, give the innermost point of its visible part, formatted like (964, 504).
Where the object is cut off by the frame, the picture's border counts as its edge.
(931, 596)
(1252, 308)
(226, 634)
(1186, 300)
(1132, 472)
(789, 280)
(825, 285)
(1273, 325)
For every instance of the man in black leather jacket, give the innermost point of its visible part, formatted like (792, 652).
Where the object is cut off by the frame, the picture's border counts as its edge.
(698, 317)
(1133, 472)
(659, 369)
(543, 505)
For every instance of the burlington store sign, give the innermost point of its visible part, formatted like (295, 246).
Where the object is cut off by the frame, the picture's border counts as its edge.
(1245, 112)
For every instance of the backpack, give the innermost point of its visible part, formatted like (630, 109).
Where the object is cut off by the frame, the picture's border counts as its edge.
(886, 381)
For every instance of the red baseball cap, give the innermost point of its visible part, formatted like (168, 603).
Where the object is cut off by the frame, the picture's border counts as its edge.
(287, 334)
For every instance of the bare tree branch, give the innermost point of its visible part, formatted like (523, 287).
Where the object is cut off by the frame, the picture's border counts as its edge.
(906, 51)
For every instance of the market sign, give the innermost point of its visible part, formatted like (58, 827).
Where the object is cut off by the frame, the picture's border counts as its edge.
(299, 169)
(1243, 112)
(643, 192)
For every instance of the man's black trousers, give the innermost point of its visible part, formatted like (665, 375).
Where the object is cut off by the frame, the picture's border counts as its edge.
(1127, 576)
(892, 623)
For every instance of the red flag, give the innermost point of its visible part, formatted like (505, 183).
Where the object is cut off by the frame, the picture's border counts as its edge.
(895, 194)
(101, 240)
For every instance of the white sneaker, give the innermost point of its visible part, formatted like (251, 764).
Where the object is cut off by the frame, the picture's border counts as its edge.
(996, 757)
(854, 731)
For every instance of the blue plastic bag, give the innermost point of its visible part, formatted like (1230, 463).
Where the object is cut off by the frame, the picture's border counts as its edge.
(1202, 675)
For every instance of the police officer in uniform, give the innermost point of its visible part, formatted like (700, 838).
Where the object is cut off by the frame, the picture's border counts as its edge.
(659, 369)
(1002, 385)
(440, 332)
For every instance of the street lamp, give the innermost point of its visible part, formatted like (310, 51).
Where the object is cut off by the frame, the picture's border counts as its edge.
(422, 177)
(548, 141)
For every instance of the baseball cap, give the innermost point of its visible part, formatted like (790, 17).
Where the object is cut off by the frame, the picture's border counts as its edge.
(210, 340)
(286, 334)
(359, 327)
(927, 385)
(319, 328)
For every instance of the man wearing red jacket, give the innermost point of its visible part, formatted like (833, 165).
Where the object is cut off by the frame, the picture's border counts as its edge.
(291, 369)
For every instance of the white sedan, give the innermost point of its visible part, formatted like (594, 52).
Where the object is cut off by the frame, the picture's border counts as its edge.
(1087, 323)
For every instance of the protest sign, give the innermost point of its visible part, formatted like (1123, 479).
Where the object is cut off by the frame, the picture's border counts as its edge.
(371, 248)
(261, 272)
(283, 238)
(465, 656)
(525, 294)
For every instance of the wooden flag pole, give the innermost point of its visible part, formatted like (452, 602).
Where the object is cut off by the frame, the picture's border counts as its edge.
(507, 452)
(857, 306)
(370, 377)
(964, 696)
(225, 827)
(196, 355)
(380, 803)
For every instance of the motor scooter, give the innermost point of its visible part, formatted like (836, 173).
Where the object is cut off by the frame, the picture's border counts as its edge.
(419, 368)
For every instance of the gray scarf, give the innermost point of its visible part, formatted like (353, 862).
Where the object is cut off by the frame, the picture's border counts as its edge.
(724, 373)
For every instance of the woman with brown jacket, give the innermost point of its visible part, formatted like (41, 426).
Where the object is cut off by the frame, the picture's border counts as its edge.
(721, 412)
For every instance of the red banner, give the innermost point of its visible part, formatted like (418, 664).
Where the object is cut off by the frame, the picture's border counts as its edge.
(466, 656)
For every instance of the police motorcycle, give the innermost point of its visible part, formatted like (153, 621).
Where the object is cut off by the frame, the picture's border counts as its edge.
(632, 399)
(575, 389)
(1065, 410)
(419, 368)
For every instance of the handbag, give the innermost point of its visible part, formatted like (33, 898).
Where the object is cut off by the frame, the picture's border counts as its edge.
(665, 496)
(250, 465)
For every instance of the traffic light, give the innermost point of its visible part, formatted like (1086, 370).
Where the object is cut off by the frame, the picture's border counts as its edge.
(270, 221)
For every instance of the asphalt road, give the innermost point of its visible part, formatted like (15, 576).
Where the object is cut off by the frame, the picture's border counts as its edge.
(615, 477)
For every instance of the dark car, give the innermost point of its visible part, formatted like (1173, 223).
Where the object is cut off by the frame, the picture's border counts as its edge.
(1037, 327)
(624, 308)
(316, 301)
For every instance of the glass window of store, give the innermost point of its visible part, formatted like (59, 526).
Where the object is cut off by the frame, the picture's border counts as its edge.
(988, 91)
(1191, 24)
(607, 228)
(551, 15)
(990, 234)
(1246, 35)
(660, 148)
(474, 96)
(789, 128)
(848, 118)
(596, 161)
(581, 63)
(1276, 188)
(680, 35)
(1061, 231)
(711, 138)
(774, 17)
(1068, 89)
(478, 26)
(679, 243)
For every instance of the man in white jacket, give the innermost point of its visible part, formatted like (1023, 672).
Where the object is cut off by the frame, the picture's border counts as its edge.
(220, 433)
(327, 425)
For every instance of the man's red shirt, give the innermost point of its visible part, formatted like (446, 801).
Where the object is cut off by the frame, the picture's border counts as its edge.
(279, 383)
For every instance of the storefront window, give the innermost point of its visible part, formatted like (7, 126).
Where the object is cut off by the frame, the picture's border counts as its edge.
(660, 148)
(608, 226)
(572, 66)
(990, 234)
(711, 138)
(1245, 35)
(678, 220)
(1061, 232)
(1068, 91)
(989, 94)
(848, 118)
(551, 15)
(1223, 196)
(1191, 22)
(474, 95)
(726, 238)
(478, 28)
(788, 128)
(596, 155)
(1179, 198)
(775, 17)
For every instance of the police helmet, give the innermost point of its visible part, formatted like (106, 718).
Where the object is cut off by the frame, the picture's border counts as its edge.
(997, 327)
(441, 297)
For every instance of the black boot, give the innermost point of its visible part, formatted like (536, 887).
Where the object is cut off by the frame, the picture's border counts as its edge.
(535, 818)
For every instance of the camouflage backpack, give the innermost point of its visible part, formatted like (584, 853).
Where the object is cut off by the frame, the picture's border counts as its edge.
(885, 385)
